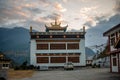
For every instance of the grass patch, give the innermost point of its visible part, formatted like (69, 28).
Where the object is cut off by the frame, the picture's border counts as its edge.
(19, 74)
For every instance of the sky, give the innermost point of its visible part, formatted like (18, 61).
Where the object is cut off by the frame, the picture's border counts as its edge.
(96, 15)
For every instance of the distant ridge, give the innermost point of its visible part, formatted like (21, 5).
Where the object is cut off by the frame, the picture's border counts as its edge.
(89, 52)
(14, 43)
(14, 38)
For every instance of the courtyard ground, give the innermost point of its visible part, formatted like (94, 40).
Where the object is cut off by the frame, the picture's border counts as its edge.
(19, 74)
(77, 74)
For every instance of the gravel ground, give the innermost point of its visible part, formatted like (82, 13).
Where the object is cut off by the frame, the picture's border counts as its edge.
(77, 74)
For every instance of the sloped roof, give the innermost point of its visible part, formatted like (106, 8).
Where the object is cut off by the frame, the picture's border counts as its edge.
(3, 58)
(114, 28)
(56, 28)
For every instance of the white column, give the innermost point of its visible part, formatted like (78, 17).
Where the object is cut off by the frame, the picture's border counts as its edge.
(48, 46)
(66, 45)
(66, 59)
(49, 59)
(82, 51)
(32, 52)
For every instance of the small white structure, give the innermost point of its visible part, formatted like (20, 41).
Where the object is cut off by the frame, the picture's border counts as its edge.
(89, 60)
(55, 47)
(102, 62)
(4, 63)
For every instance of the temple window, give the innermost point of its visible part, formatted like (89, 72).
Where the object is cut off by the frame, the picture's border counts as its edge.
(57, 46)
(42, 46)
(73, 45)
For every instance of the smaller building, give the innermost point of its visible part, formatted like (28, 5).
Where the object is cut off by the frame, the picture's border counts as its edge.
(4, 62)
(89, 61)
(114, 47)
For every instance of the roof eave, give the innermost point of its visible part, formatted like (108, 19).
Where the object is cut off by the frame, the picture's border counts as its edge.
(108, 31)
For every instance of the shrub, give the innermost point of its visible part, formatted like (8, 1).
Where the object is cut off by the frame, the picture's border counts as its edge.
(31, 67)
(2, 78)
(94, 65)
(16, 68)
(38, 67)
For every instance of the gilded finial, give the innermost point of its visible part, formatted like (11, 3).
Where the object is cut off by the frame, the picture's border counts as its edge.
(51, 24)
(55, 21)
(59, 24)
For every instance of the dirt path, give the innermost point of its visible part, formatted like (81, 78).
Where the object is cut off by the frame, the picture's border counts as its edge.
(78, 74)
(19, 74)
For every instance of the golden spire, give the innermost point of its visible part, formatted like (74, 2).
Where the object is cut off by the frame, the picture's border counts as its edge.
(55, 21)
(56, 24)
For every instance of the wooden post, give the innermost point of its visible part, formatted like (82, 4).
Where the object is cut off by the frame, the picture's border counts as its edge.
(30, 28)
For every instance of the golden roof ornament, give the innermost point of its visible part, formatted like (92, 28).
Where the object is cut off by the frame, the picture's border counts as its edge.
(56, 26)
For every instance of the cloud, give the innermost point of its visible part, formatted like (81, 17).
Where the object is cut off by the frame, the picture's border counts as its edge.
(50, 18)
(65, 1)
(34, 11)
(17, 12)
(87, 17)
(95, 20)
(45, 11)
(94, 35)
(59, 7)
(54, 16)
(91, 17)
(117, 6)
(25, 13)
(45, 3)
(87, 9)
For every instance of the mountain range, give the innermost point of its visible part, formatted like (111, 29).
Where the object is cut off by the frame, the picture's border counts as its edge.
(16, 38)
